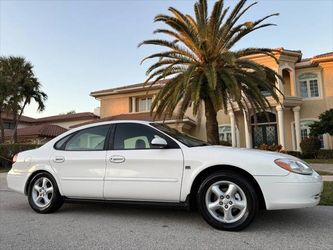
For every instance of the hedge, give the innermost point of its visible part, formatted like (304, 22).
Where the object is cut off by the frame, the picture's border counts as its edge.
(325, 154)
(294, 153)
(319, 154)
(7, 151)
(310, 147)
(311, 150)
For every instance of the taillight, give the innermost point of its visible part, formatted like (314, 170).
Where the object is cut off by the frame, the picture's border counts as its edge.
(14, 158)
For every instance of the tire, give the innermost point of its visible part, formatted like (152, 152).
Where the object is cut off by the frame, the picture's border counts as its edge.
(236, 206)
(43, 194)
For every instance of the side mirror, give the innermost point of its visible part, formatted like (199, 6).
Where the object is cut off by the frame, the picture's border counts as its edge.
(159, 142)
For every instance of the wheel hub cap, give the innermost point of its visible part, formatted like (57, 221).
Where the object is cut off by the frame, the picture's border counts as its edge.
(226, 201)
(42, 192)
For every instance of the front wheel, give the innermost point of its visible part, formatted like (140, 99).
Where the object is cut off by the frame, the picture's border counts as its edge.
(43, 194)
(227, 201)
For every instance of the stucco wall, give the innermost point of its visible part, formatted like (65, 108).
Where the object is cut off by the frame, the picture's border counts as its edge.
(114, 106)
(120, 104)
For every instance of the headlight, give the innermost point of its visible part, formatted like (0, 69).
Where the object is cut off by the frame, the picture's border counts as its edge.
(298, 167)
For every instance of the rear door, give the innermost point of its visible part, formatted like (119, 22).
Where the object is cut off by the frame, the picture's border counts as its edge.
(80, 162)
(136, 170)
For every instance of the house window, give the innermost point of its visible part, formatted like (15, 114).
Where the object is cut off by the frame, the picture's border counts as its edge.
(264, 129)
(144, 104)
(225, 133)
(309, 86)
(8, 125)
(305, 131)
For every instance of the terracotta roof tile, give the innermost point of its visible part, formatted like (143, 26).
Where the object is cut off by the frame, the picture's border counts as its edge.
(142, 116)
(24, 119)
(124, 88)
(323, 55)
(43, 130)
(54, 118)
(67, 117)
(328, 54)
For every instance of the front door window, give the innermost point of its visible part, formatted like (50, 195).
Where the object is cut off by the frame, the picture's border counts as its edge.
(264, 134)
(264, 129)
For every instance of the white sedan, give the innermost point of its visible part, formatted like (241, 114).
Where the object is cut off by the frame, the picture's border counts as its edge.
(135, 161)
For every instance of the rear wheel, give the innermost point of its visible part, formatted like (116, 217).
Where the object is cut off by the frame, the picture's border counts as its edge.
(227, 201)
(43, 194)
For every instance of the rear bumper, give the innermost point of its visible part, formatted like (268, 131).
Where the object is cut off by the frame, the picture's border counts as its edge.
(291, 191)
(16, 180)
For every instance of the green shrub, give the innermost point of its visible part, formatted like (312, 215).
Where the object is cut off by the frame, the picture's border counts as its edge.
(325, 154)
(7, 151)
(225, 143)
(273, 147)
(293, 153)
(310, 147)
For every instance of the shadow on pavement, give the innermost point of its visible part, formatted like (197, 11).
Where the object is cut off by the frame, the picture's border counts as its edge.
(280, 220)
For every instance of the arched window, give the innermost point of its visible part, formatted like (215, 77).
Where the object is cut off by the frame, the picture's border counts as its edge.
(308, 85)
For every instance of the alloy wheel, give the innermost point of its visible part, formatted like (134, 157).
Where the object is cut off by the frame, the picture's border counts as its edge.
(42, 192)
(226, 201)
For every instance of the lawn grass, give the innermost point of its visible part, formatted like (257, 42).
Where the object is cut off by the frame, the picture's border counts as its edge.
(324, 161)
(327, 195)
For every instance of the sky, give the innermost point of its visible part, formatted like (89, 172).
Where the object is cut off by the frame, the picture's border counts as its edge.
(78, 47)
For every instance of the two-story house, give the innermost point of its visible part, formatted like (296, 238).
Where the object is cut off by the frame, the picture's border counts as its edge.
(307, 92)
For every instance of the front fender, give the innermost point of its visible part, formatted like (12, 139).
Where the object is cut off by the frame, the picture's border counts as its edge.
(253, 162)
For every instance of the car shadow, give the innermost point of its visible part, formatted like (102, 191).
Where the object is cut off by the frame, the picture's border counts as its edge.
(277, 220)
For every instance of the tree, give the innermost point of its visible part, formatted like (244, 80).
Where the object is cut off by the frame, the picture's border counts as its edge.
(324, 125)
(203, 70)
(5, 90)
(17, 76)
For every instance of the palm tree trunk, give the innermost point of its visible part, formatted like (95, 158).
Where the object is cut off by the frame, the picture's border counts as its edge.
(16, 121)
(14, 138)
(211, 123)
(2, 129)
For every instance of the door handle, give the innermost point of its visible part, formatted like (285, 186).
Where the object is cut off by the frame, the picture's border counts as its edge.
(117, 159)
(59, 159)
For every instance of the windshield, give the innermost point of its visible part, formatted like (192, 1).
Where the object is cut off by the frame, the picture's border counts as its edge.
(188, 140)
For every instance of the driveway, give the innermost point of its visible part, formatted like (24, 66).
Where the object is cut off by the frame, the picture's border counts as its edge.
(109, 226)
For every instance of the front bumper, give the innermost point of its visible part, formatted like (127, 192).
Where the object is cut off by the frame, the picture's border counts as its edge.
(291, 191)
(16, 180)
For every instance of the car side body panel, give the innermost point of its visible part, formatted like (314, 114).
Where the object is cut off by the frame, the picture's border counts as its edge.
(145, 175)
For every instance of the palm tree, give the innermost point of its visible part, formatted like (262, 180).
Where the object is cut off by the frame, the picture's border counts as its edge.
(202, 68)
(5, 90)
(19, 77)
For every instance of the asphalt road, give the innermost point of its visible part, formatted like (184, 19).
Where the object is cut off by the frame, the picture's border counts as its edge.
(109, 226)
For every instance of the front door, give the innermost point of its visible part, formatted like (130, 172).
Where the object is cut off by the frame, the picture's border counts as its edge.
(264, 134)
(79, 161)
(138, 171)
